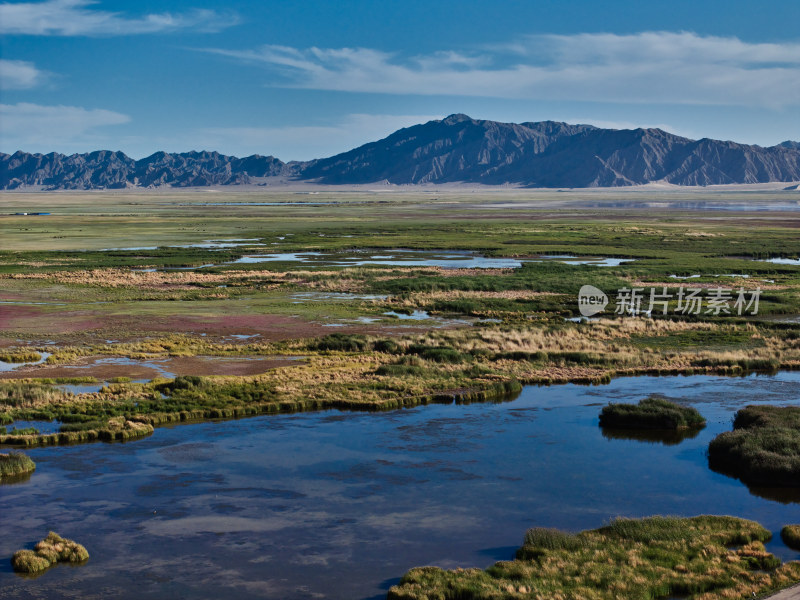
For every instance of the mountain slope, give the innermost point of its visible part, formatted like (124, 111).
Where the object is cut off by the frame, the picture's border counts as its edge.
(550, 154)
(455, 149)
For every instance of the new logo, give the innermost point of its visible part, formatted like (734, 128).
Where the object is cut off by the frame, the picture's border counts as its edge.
(591, 300)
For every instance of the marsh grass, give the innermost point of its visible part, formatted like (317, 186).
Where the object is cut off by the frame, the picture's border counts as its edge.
(762, 449)
(706, 557)
(48, 552)
(361, 372)
(438, 354)
(22, 431)
(340, 342)
(15, 464)
(791, 536)
(399, 370)
(20, 356)
(651, 413)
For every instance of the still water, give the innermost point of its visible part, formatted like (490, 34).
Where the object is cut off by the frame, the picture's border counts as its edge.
(339, 505)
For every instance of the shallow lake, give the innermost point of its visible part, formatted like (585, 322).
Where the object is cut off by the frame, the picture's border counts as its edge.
(449, 259)
(339, 505)
(402, 257)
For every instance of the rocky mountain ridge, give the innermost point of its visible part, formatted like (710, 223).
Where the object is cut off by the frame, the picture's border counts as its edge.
(455, 149)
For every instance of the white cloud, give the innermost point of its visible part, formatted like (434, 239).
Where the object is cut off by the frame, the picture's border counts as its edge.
(37, 128)
(650, 67)
(77, 17)
(19, 75)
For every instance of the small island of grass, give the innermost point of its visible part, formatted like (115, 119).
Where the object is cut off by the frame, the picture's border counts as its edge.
(15, 464)
(51, 550)
(20, 356)
(704, 557)
(762, 449)
(651, 413)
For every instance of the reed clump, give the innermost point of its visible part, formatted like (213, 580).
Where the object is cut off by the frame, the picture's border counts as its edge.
(14, 464)
(706, 557)
(651, 413)
(20, 356)
(51, 550)
(763, 448)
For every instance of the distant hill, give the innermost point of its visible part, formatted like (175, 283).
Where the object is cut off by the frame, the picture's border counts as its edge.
(115, 170)
(455, 149)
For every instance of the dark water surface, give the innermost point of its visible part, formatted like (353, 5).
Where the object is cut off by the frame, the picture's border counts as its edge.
(340, 505)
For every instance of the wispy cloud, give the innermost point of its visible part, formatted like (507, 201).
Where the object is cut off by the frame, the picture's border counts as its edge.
(80, 18)
(297, 142)
(660, 67)
(37, 128)
(19, 75)
(69, 129)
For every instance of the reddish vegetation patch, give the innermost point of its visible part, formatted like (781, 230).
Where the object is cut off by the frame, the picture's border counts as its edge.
(41, 320)
(36, 321)
(207, 365)
(193, 365)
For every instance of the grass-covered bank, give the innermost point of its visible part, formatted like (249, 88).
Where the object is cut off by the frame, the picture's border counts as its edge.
(48, 552)
(361, 372)
(704, 557)
(763, 448)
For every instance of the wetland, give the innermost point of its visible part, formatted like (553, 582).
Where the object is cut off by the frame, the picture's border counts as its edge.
(302, 399)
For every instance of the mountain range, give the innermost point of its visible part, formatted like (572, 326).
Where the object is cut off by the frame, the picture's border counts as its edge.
(457, 149)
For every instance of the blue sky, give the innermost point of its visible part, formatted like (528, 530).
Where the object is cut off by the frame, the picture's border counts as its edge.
(305, 79)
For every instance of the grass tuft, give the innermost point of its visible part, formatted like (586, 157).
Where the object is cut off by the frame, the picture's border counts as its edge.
(651, 413)
(51, 550)
(20, 356)
(14, 464)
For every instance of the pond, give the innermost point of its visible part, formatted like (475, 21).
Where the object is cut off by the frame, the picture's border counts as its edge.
(394, 258)
(782, 261)
(403, 257)
(339, 505)
(446, 259)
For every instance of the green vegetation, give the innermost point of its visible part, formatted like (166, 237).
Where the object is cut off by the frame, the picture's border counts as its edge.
(791, 536)
(704, 557)
(15, 464)
(48, 552)
(651, 413)
(763, 448)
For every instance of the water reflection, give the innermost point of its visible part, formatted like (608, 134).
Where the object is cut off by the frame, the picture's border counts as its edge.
(668, 437)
